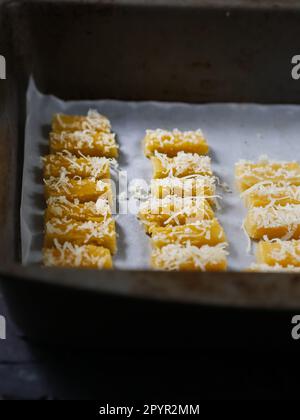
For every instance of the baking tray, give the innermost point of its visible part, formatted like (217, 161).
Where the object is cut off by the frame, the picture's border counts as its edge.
(187, 51)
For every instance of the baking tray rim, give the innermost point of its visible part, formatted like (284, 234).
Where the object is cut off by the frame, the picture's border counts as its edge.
(273, 5)
(57, 277)
(234, 289)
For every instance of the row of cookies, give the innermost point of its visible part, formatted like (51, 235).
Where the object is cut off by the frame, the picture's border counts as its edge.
(79, 227)
(179, 216)
(271, 193)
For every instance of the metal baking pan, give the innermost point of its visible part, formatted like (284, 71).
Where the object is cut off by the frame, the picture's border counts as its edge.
(191, 51)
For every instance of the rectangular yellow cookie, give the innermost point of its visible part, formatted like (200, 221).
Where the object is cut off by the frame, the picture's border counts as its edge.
(69, 255)
(182, 165)
(248, 173)
(174, 211)
(281, 222)
(269, 194)
(176, 257)
(61, 207)
(284, 253)
(93, 121)
(206, 232)
(86, 143)
(172, 142)
(204, 186)
(81, 233)
(73, 166)
(85, 189)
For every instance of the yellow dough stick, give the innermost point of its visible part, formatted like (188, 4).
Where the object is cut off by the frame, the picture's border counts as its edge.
(176, 257)
(206, 232)
(96, 167)
(248, 173)
(273, 268)
(182, 165)
(185, 187)
(61, 207)
(89, 143)
(284, 253)
(269, 194)
(69, 255)
(174, 211)
(172, 142)
(92, 121)
(85, 189)
(274, 222)
(81, 233)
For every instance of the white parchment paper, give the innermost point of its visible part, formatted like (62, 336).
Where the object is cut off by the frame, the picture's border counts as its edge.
(233, 131)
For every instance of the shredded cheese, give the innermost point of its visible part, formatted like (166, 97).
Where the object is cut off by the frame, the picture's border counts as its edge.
(288, 215)
(266, 170)
(93, 121)
(69, 254)
(85, 165)
(272, 193)
(174, 256)
(273, 268)
(164, 137)
(184, 186)
(85, 139)
(89, 229)
(185, 163)
(285, 249)
(60, 205)
(173, 206)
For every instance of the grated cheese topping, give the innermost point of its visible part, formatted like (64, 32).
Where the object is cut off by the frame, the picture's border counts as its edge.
(285, 249)
(101, 186)
(264, 160)
(273, 192)
(86, 139)
(192, 230)
(174, 256)
(170, 137)
(74, 255)
(185, 163)
(273, 268)
(60, 204)
(94, 166)
(268, 170)
(175, 206)
(96, 121)
(265, 217)
(184, 186)
(65, 183)
(93, 121)
(89, 229)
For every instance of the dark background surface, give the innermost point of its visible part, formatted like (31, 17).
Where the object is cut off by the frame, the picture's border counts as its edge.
(29, 371)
